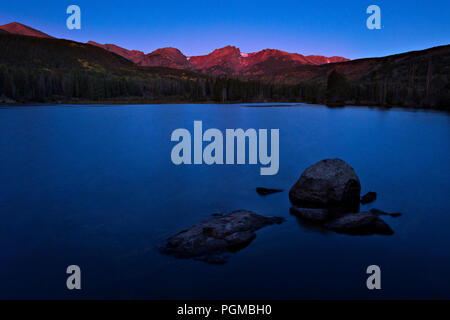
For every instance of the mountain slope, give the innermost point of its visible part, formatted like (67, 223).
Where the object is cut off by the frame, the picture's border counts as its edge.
(317, 60)
(18, 28)
(413, 79)
(164, 57)
(398, 67)
(37, 69)
(132, 55)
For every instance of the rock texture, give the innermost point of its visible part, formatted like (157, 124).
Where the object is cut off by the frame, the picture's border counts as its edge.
(208, 241)
(328, 183)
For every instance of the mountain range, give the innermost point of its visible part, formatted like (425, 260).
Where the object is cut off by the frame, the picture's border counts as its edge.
(37, 67)
(227, 61)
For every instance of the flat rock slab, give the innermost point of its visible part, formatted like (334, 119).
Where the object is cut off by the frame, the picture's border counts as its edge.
(208, 241)
(362, 223)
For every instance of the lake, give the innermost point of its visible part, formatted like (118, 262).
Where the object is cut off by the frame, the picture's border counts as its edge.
(95, 186)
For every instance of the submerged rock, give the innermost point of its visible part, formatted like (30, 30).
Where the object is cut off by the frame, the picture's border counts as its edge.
(362, 223)
(207, 241)
(369, 197)
(379, 212)
(316, 215)
(395, 214)
(328, 183)
(217, 214)
(266, 191)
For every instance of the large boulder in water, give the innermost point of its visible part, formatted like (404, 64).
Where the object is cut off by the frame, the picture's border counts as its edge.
(328, 183)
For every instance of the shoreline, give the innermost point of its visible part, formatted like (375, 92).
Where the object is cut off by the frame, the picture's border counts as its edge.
(182, 102)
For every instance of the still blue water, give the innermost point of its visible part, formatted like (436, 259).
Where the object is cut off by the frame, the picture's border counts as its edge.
(94, 186)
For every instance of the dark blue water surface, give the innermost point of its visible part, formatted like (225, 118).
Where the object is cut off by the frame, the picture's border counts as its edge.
(95, 186)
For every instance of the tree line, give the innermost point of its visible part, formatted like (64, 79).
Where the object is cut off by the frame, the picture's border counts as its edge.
(25, 85)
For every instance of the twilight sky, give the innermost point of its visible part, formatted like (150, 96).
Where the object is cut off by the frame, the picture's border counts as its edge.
(198, 27)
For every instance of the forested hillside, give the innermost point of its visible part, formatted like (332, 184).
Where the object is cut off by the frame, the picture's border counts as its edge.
(412, 79)
(42, 70)
(52, 70)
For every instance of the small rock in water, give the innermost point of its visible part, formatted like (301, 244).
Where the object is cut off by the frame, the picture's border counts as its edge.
(208, 241)
(317, 215)
(266, 191)
(369, 197)
(362, 223)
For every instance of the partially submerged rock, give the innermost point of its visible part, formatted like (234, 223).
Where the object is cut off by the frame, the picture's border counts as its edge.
(382, 213)
(266, 191)
(217, 214)
(316, 215)
(328, 183)
(395, 214)
(368, 197)
(208, 241)
(362, 223)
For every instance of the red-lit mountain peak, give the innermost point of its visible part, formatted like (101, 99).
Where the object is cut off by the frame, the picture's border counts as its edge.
(225, 60)
(166, 57)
